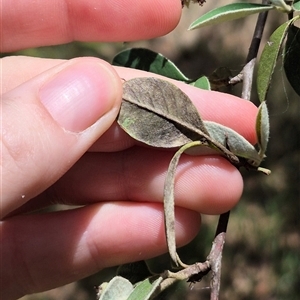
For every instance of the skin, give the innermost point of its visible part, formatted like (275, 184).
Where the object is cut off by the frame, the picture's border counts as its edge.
(62, 154)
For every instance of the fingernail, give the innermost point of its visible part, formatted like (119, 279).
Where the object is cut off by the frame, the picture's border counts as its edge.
(79, 95)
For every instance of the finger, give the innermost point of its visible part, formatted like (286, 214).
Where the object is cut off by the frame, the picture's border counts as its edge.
(50, 121)
(49, 23)
(70, 245)
(206, 184)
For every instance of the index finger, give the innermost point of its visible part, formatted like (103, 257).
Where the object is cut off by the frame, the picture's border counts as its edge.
(51, 22)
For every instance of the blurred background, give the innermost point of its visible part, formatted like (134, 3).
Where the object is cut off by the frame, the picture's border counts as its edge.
(261, 258)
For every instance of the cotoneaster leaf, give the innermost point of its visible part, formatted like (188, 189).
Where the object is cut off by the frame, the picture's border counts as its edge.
(159, 114)
(228, 13)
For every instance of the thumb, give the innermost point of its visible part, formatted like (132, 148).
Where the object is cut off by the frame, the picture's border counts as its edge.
(50, 121)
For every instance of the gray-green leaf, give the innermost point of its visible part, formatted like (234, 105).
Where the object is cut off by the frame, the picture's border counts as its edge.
(229, 12)
(236, 143)
(268, 59)
(169, 203)
(262, 128)
(118, 288)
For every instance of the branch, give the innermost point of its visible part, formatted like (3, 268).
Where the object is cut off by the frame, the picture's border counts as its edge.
(215, 255)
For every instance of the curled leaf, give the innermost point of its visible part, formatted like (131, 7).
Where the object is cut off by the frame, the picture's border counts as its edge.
(262, 128)
(269, 58)
(169, 203)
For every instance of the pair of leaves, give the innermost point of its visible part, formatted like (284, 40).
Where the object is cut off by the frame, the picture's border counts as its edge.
(134, 282)
(159, 114)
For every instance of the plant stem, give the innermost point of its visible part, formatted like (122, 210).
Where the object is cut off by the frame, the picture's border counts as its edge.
(215, 256)
(257, 35)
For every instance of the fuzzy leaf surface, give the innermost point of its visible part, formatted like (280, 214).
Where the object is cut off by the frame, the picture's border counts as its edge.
(268, 60)
(236, 143)
(118, 288)
(145, 289)
(169, 202)
(228, 13)
(159, 114)
(202, 83)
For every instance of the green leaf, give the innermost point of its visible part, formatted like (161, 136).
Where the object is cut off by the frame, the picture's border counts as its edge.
(229, 12)
(118, 288)
(202, 83)
(268, 60)
(147, 60)
(262, 128)
(145, 289)
(291, 58)
(158, 113)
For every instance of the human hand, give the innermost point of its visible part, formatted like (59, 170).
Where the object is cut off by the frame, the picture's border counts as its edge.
(60, 144)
